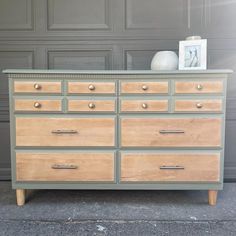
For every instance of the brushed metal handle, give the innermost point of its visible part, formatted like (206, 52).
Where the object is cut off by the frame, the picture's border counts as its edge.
(144, 105)
(171, 167)
(91, 87)
(37, 105)
(64, 166)
(199, 105)
(60, 131)
(163, 131)
(144, 87)
(37, 86)
(91, 105)
(199, 87)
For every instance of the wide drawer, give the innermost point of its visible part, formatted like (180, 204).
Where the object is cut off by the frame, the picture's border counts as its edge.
(199, 105)
(73, 131)
(143, 105)
(90, 87)
(169, 167)
(171, 132)
(65, 166)
(191, 87)
(144, 87)
(91, 105)
(38, 105)
(53, 87)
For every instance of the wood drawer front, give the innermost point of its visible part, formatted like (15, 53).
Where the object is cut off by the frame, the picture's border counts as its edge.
(191, 87)
(38, 105)
(41, 131)
(144, 87)
(171, 132)
(92, 87)
(203, 105)
(65, 167)
(144, 105)
(53, 87)
(91, 105)
(170, 167)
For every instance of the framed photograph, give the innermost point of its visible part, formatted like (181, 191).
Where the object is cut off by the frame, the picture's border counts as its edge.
(193, 55)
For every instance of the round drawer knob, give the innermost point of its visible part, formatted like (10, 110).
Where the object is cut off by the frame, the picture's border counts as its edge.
(91, 105)
(199, 87)
(91, 87)
(144, 87)
(37, 105)
(37, 86)
(144, 105)
(199, 105)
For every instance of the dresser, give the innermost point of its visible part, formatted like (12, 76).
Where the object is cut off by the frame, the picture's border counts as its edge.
(116, 130)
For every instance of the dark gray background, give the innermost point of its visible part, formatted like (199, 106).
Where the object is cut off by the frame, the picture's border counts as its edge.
(112, 34)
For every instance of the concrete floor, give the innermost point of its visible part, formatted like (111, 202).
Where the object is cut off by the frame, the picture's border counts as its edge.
(57, 212)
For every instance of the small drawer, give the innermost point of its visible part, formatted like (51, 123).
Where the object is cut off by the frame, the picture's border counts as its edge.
(38, 105)
(76, 87)
(169, 167)
(91, 105)
(144, 87)
(198, 87)
(66, 166)
(53, 87)
(200, 105)
(144, 106)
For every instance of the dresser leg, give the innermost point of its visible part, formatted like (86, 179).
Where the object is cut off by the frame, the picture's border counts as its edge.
(20, 197)
(212, 197)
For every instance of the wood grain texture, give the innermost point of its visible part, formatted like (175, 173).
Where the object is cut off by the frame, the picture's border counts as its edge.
(150, 105)
(99, 105)
(212, 197)
(146, 167)
(145, 132)
(90, 166)
(45, 87)
(191, 87)
(99, 87)
(208, 105)
(137, 87)
(20, 197)
(37, 131)
(45, 105)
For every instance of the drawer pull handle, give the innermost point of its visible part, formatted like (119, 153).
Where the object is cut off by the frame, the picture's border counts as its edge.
(37, 105)
(199, 105)
(59, 131)
(199, 87)
(145, 87)
(163, 131)
(91, 105)
(91, 87)
(64, 166)
(144, 105)
(37, 86)
(171, 167)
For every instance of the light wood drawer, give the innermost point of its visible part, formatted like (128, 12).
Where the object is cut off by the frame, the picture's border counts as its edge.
(191, 87)
(166, 167)
(53, 87)
(38, 105)
(73, 131)
(91, 105)
(65, 166)
(144, 87)
(91, 87)
(171, 132)
(202, 105)
(144, 105)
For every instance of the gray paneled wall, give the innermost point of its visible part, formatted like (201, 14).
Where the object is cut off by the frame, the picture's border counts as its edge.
(112, 34)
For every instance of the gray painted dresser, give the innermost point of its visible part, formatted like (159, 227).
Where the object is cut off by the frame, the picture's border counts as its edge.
(117, 130)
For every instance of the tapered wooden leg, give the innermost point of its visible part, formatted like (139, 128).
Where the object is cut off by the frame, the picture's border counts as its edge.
(212, 197)
(20, 197)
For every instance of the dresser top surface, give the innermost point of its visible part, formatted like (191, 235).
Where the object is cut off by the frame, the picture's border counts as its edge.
(116, 72)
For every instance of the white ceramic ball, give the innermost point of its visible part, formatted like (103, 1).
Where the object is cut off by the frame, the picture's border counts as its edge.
(165, 60)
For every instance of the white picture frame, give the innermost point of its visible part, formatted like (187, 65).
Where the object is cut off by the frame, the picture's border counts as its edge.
(193, 55)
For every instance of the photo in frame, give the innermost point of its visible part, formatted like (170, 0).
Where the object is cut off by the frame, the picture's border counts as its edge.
(193, 55)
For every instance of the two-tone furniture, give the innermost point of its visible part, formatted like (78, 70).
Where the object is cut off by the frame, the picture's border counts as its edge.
(117, 130)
